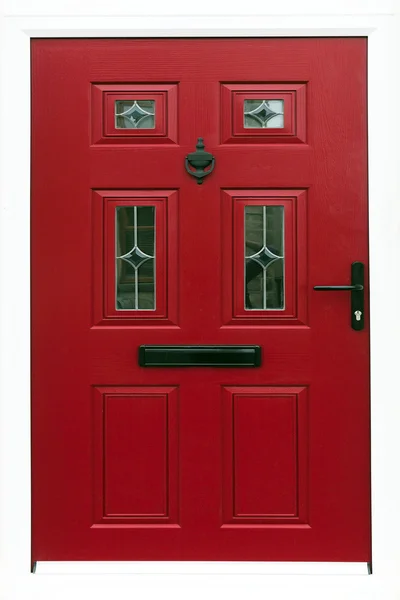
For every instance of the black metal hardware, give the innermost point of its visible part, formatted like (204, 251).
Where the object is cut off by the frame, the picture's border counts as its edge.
(199, 356)
(199, 160)
(357, 294)
(333, 288)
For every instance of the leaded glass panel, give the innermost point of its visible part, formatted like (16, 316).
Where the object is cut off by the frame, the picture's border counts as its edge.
(135, 258)
(135, 114)
(264, 258)
(262, 114)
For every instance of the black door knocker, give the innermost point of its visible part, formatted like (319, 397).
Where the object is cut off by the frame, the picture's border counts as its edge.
(199, 160)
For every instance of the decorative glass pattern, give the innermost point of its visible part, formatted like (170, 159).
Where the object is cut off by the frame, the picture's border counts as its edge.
(135, 114)
(135, 258)
(264, 257)
(261, 114)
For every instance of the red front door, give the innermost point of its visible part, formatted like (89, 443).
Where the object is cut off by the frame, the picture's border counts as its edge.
(258, 447)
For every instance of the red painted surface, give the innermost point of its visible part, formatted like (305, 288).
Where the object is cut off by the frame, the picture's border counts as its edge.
(139, 423)
(232, 103)
(129, 463)
(103, 119)
(266, 458)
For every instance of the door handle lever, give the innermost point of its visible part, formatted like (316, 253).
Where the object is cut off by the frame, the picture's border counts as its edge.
(332, 288)
(357, 294)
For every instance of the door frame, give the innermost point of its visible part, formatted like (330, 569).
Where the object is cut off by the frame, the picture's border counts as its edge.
(378, 22)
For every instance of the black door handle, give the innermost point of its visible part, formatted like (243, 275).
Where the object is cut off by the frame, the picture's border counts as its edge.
(357, 294)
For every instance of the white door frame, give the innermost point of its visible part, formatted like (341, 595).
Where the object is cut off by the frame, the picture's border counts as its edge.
(85, 18)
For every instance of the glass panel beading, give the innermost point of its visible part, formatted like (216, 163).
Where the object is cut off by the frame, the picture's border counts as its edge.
(135, 258)
(264, 258)
(261, 114)
(135, 114)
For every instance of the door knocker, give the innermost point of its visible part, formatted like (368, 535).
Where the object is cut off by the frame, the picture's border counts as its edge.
(199, 160)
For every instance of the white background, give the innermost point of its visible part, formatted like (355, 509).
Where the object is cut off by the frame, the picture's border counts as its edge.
(84, 18)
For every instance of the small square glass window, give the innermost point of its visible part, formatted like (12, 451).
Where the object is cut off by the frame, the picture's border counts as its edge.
(262, 114)
(135, 114)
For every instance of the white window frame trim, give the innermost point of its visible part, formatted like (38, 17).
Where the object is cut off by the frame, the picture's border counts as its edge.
(284, 579)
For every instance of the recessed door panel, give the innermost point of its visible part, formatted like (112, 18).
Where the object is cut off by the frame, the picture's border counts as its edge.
(265, 455)
(136, 455)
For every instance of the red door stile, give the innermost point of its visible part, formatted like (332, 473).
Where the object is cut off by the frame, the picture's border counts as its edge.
(129, 462)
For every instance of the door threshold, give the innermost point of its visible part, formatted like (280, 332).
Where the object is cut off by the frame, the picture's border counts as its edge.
(199, 567)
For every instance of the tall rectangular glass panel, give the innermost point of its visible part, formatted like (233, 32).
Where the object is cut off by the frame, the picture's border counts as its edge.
(264, 258)
(135, 266)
